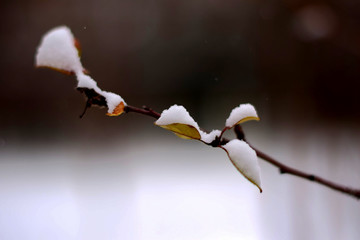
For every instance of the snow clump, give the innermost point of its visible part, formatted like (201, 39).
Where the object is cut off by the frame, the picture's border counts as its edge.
(244, 159)
(176, 114)
(57, 50)
(209, 137)
(240, 113)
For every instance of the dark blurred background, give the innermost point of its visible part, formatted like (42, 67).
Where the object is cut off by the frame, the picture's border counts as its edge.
(296, 61)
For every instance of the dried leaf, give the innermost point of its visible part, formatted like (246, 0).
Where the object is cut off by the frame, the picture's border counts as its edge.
(119, 109)
(77, 46)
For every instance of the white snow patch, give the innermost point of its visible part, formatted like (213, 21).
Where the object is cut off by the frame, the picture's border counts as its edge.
(209, 137)
(245, 159)
(85, 81)
(239, 113)
(57, 50)
(112, 100)
(176, 114)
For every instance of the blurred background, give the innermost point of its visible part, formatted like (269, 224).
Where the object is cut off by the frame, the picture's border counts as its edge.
(296, 61)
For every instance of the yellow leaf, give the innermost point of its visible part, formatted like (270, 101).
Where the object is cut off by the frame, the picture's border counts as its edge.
(248, 119)
(184, 131)
(240, 114)
(119, 109)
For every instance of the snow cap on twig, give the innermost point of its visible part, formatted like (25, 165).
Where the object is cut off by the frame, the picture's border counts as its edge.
(240, 114)
(178, 120)
(57, 50)
(244, 158)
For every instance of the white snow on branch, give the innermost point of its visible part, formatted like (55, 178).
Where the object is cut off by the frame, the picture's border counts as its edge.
(179, 115)
(240, 114)
(209, 137)
(57, 50)
(176, 114)
(112, 100)
(85, 81)
(245, 160)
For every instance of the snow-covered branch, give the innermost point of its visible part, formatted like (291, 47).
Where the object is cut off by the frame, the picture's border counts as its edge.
(59, 50)
(284, 169)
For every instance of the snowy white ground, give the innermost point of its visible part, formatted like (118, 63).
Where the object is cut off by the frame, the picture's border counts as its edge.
(175, 189)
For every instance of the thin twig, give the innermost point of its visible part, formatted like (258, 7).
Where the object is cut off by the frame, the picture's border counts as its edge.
(145, 111)
(284, 169)
(87, 105)
(292, 171)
